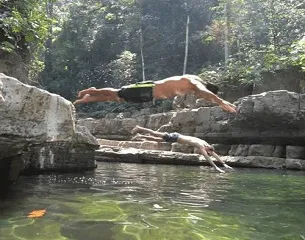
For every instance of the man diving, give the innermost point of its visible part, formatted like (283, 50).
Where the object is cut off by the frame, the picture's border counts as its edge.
(205, 149)
(160, 89)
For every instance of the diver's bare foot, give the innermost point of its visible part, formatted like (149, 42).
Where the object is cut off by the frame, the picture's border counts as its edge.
(83, 100)
(228, 167)
(136, 137)
(77, 102)
(84, 92)
(135, 130)
(219, 170)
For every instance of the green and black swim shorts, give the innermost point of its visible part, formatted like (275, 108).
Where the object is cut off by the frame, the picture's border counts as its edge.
(171, 137)
(138, 92)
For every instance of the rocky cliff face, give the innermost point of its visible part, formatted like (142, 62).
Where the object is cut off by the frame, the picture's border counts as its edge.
(268, 126)
(38, 132)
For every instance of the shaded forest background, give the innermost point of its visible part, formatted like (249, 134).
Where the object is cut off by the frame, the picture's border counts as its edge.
(68, 45)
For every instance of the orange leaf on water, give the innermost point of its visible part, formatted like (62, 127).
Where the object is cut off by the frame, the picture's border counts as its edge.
(37, 213)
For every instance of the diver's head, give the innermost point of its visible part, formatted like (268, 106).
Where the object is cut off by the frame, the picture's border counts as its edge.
(209, 149)
(213, 88)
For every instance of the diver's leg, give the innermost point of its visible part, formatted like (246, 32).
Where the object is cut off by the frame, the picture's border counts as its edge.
(100, 95)
(139, 129)
(142, 137)
(85, 91)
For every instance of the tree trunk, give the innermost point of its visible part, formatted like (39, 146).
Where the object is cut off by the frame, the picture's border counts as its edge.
(226, 35)
(186, 43)
(142, 54)
(273, 28)
(48, 58)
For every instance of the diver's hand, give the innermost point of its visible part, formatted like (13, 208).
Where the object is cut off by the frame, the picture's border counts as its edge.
(219, 170)
(229, 107)
(227, 166)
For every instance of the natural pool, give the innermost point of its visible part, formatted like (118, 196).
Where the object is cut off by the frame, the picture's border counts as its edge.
(159, 202)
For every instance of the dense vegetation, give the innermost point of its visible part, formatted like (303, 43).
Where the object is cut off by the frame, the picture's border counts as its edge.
(69, 45)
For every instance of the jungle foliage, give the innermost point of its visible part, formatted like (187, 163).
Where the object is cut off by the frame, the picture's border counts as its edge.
(69, 45)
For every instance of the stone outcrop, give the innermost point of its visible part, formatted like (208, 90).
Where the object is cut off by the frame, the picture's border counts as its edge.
(288, 79)
(166, 153)
(268, 130)
(139, 155)
(38, 132)
(273, 117)
(292, 80)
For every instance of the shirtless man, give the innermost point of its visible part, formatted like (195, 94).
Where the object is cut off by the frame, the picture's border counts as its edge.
(161, 89)
(205, 149)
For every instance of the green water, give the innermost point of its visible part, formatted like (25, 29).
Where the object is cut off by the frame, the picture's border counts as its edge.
(133, 202)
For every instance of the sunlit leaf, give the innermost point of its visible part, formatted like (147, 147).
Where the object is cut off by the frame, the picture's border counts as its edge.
(37, 213)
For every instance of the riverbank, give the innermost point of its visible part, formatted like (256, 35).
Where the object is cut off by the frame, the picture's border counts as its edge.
(177, 154)
(267, 131)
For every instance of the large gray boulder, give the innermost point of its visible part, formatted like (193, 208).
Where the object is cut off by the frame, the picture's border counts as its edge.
(275, 117)
(38, 132)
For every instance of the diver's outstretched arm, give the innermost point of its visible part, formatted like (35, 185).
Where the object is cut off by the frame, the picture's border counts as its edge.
(207, 157)
(202, 92)
(215, 155)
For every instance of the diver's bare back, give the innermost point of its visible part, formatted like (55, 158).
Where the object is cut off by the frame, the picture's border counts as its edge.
(171, 87)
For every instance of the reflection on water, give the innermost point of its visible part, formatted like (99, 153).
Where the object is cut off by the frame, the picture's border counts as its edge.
(143, 202)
